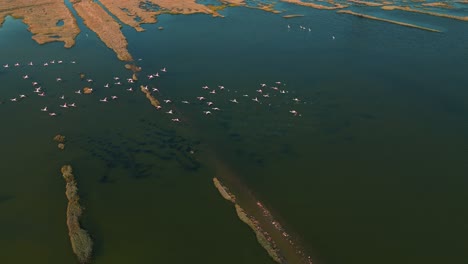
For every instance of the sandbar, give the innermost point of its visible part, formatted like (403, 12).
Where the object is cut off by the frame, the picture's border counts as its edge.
(316, 6)
(409, 9)
(153, 100)
(386, 20)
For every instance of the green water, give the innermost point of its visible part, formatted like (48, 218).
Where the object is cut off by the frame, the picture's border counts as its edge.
(372, 172)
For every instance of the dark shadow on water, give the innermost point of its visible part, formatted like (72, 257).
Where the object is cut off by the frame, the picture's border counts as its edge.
(5, 198)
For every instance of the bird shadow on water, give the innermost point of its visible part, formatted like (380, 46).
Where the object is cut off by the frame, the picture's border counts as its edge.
(143, 156)
(5, 198)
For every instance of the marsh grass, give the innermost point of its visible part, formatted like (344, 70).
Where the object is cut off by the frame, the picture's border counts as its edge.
(81, 242)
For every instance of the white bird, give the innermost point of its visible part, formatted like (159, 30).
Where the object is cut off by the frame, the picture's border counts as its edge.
(37, 90)
(256, 100)
(213, 92)
(278, 82)
(78, 91)
(59, 62)
(44, 109)
(221, 87)
(64, 105)
(52, 61)
(215, 109)
(72, 105)
(164, 69)
(175, 120)
(113, 97)
(17, 64)
(207, 112)
(185, 102)
(58, 79)
(150, 76)
(283, 91)
(209, 103)
(118, 83)
(41, 94)
(73, 62)
(296, 100)
(25, 77)
(294, 112)
(62, 97)
(106, 86)
(156, 75)
(30, 63)
(260, 91)
(145, 87)
(130, 81)
(6, 66)
(89, 80)
(234, 101)
(103, 100)
(34, 83)
(130, 89)
(275, 88)
(205, 87)
(201, 98)
(333, 37)
(22, 96)
(155, 90)
(169, 112)
(289, 26)
(245, 95)
(46, 64)
(263, 84)
(116, 78)
(266, 95)
(52, 114)
(310, 30)
(158, 107)
(13, 99)
(167, 101)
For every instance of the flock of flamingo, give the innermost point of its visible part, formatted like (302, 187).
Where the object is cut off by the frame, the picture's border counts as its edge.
(261, 94)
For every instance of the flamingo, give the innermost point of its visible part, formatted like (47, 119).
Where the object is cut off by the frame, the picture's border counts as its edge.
(275, 88)
(130, 89)
(234, 101)
(150, 76)
(156, 75)
(221, 87)
(73, 62)
(260, 91)
(22, 96)
(13, 99)
(164, 69)
(58, 79)
(17, 64)
(167, 101)
(256, 100)
(205, 87)
(37, 90)
(207, 112)
(78, 91)
(245, 95)
(41, 94)
(72, 105)
(169, 112)
(266, 95)
(158, 107)
(185, 102)
(209, 103)
(52, 114)
(118, 83)
(296, 100)
(89, 80)
(30, 63)
(34, 83)
(113, 97)
(103, 100)
(145, 87)
(116, 78)
(44, 109)
(201, 98)
(52, 62)
(62, 97)
(59, 62)
(175, 120)
(6, 66)
(263, 84)
(215, 109)
(25, 77)
(64, 105)
(213, 92)
(155, 90)
(294, 112)
(46, 64)
(278, 82)
(106, 86)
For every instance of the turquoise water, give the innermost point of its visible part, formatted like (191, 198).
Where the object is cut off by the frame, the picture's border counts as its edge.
(372, 172)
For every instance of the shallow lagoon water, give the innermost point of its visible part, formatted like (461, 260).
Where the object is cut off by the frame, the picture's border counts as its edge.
(373, 171)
